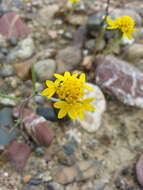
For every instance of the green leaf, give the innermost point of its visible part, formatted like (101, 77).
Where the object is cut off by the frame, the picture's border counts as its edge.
(34, 79)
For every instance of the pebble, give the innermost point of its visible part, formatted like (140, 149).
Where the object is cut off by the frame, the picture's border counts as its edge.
(69, 149)
(67, 59)
(7, 71)
(47, 113)
(93, 119)
(64, 159)
(39, 151)
(34, 181)
(2, 58)
(26, 48)
(2, 41)
(39, 99)
(7, 102)
(80, 171)
(139, 170)
(26, 179)
(45, 69)
(36, 126)
(13, 41)
(4, 51)
(95, 21)
(6, 123)
(17, 153)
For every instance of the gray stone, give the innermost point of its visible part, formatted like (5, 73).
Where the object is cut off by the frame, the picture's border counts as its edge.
(26, 48)
(7, 71)
(2, 57)
(12, 56)
(39, 99)
(47, 113)
(4, 51)
(95, 21)
(45, 69)
(13, 41)
(6, 123)
(134, 53)
(68, 58)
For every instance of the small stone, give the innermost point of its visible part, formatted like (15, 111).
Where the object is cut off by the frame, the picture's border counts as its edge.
(7, 71)
(53, 186)
(39, 99)
(79, 37)
(80, 171)
(12, 56)
(69, 149)
(17, 153)
(93, 119)
(2, 58)
(34, 181)
(22, 69)
(46, 177)
(77, 19)
(39, 151)
(6, 124)
(85, 155)
(12, 25)
(64, 159)
(120, 79)
(88, 62)
(4, 51)
(45, 69)
(7, 101)
(36, 127)
(26, 179)
(47, 113)
(95, 21)
(90, 44)
(13, 41)
(139, 170)
(134, 52)
(26, 48)
(67, 59)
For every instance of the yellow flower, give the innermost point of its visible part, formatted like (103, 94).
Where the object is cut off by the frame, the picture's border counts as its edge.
(25, 1)
(124, 23)
(74, 1)
(52, 88)
(70, 90)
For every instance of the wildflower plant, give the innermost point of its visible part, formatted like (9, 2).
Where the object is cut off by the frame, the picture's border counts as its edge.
(123, 24)
(70, 91)
(124, 27)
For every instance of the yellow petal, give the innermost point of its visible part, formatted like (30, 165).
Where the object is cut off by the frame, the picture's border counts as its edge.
(88, 100)
(88, 87)
(109, 21)
(62, 113)
(60, 104)
(82, 77)
(60, 77)
(72, 114)
(89, 107)
(67, 74)
(81, 114)
(49, 83)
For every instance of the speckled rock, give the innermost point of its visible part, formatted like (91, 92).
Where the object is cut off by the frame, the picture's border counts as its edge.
(78, 19)
(7, 71)
(68, 58)
(12, 25)
(120, 79)
(45, 69)
(17, 153)
(80, 171)
(93, 119)
(26, 48)
(36, 126)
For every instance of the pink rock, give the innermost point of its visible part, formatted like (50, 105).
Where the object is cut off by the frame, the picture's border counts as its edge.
(139, 170)
(11, 25)
(120, 79)
(35, 126)
(17, 154)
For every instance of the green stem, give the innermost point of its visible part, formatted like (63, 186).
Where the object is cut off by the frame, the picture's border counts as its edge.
(7, 96)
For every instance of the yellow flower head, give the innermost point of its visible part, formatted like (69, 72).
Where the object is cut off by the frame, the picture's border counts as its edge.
(73, 1)
(25, 1)
(70, 90)
(124, 23)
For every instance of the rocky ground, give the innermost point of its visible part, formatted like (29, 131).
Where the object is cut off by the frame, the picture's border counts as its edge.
(103, 152)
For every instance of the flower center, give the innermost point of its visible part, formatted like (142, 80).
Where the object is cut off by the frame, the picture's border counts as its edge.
(71, 90)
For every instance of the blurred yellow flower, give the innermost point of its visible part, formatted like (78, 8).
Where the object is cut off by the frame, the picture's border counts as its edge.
(124, 23)
(70, 90)
(74, 1)
(25, 1)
